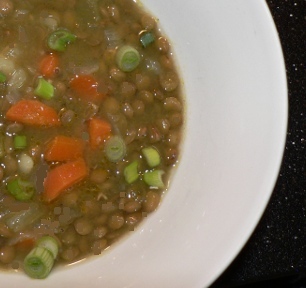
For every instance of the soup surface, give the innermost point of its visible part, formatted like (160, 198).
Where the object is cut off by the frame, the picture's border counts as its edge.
(90, 125)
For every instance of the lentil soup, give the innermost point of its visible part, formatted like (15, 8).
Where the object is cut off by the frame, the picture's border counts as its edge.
(91, 122)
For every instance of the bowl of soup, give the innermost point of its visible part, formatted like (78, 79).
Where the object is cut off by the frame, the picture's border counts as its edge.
(140, 141)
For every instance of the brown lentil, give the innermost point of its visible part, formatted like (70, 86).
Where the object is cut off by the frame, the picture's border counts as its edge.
(175, 119)
(83, 226)
(146, 96)
(6, 7)
(151, 201)
(142, 82)
(138, 107)
(111, 105)
(69, 237)
(128, 110)
(133, 219)
(162, 45)
(127, 90)
(117, 74)
(148, 22)
(172, 104)
(98, 246)
(169, 81)
(132, 206)
(98, 175)
(115, 221)
(100, 232)
(70, 253)
(163, 125)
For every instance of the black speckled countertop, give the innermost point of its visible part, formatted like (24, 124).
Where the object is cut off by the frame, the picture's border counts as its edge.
(275, 255)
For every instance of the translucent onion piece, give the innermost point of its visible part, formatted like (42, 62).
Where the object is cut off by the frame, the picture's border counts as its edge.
(7, 65)
(17, 79)
(20, 220)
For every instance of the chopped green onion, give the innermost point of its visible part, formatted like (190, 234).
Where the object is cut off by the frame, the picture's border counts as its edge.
(2, 77)
(21, 190)
(38, 263)
(152, 156)
(59, 39)
(128, 58)
(44, 89)
(154, 178)
(20, 141)
(115, 149)
(131, 172)
(50, 244)
(146, 39)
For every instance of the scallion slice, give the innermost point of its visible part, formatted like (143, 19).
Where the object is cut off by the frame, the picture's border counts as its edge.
(2, 77)
(152, 156)
(38, 263)
(131, 172)
(128, 58)
(115, 148)
(20, 141)
(44, 89)
(48, 243)
(154, 178)
(146, 39)
(20, 189)
(59, 39)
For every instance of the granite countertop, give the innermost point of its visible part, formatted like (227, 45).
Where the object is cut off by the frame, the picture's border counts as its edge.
(275, 255)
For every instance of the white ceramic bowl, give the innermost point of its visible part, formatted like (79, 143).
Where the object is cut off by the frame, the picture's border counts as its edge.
(232, 65)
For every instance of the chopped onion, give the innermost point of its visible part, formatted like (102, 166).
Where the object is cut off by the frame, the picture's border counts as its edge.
(50, 22)
(13, 96)
(14, 52)
(25, 163)
(152, 65)
(7, 65)
(112, 38)
(22, 219)
(17, 79)
(22, 12)
(23, 35)
(84, 70)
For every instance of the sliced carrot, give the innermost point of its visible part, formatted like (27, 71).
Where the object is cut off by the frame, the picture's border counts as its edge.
(33, 112)
(62, 177)
(48, 65)
(63, 148)
(86, 87)
(25, 244)
(99, 131)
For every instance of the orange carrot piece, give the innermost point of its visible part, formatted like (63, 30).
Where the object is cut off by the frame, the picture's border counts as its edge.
(62, 177)
(63, 148)
(99, 131)
(33, 112)
(48, 65)
(86, 87)
(25, 245)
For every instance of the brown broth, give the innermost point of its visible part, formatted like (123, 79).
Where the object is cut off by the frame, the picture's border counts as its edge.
(144, 107)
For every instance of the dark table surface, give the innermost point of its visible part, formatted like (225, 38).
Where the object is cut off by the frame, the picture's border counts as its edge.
(275, 255)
